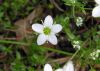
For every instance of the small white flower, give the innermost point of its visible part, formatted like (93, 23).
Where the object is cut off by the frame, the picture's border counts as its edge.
(47, 67)
(67, 67)
(47, 31)
(98, 51)
(60, 69)
(79, 21)
(76, 44)
(94, 55)
(96, 10)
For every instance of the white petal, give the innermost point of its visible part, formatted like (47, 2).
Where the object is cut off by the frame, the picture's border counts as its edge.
(37, 28)
(52, 39)
(69, 66)
(41, 39)
(97, 1)
(48, 21)
(96, 11)
(59, 69)
(56, 28)
(47, 67)
(98, 51)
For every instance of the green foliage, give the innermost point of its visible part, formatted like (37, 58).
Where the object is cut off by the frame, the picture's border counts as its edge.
(34, 56)
(12, 10)
(18, 65)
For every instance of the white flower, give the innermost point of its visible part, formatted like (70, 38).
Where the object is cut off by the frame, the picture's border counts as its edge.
(67, 67)
(98, 51)
(47, 31)
(48, 67)
(94, 55)
(97, 1)
(79, 21)
(96, 10)
(76, 44)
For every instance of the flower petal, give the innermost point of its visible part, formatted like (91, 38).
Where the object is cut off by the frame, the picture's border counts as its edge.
(56, 28)
(41, 39)
(97, 1)
(98, 51)
(96, 11)
(47, 67)
(37, 28)
(59, 69)
(48, 21)
(52, 39)
(69, 66)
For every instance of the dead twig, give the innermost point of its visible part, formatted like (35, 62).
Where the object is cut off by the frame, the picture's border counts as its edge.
(60, 60)
(56, 5)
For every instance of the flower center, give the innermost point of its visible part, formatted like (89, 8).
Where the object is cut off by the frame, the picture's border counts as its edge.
(47, 30)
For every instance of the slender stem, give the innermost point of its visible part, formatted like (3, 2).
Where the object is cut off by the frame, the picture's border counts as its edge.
(74, 54)
(26, 44)
(13, 42)
(58, 51)
(73, 11)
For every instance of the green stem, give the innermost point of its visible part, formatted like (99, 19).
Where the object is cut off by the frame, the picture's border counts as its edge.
(13, 42)
(73, 11)
(58, 51)
(74, 54)
(26, 44)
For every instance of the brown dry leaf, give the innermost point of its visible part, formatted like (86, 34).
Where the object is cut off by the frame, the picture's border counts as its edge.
(83, 69)
(60, 60)
(97, 66)
(21, 29)
(3, 57)
(23, 24)
(6, 67)
(1, 37)
(77, 66)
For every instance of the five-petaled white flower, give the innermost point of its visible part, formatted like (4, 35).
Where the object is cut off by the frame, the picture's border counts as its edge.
(47, 31)
(67, 67)
(96, 10)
